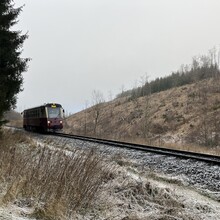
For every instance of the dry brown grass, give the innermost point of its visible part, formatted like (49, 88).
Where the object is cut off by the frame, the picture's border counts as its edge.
(16, 123)
(80, 185)
(177, 146)
(194, 148)
(14, 118)
(56, 183)
(186, 118)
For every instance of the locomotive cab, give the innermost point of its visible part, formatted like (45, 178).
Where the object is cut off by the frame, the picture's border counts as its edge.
(48, 117)
(54, 117)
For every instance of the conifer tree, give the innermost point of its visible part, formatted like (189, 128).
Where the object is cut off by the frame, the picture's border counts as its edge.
(11, 63)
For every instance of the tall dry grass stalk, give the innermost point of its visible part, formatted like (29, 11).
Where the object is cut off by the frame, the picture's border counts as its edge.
(57, 182)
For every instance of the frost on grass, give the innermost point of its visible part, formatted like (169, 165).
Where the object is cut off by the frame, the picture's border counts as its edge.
(55, 183)
(129, 196)
(41, 181)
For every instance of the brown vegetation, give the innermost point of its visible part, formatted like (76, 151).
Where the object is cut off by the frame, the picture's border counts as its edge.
(56, 183)
(185, 116)
(13, 118)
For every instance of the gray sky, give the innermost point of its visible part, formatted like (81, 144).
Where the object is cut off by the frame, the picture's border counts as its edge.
(77, 46)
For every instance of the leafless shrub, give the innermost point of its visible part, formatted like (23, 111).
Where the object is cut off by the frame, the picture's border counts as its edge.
(158, 128)
(16, 123)
(97, 100)
(146, 195)
(175, 104)
(207, 133)
(60, 182)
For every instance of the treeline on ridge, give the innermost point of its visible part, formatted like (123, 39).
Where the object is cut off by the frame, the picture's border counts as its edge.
(202, 67)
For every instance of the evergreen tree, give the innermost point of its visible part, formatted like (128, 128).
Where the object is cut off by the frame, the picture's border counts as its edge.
(11, 63)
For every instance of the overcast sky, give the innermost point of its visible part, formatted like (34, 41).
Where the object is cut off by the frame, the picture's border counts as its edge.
(78, 46)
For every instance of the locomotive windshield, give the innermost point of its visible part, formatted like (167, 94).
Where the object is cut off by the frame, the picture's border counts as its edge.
(54, 112)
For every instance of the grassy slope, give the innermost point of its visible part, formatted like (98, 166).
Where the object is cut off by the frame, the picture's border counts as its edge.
(179, 115)
(14, 118)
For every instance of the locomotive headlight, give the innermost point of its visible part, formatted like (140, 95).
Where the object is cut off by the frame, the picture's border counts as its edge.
(61, 122)
(48, 122)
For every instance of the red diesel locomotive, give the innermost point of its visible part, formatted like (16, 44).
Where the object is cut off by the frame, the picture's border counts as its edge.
(48, 117)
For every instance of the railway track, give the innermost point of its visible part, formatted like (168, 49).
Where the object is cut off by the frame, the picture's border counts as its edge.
(146, 148)
(212, 159)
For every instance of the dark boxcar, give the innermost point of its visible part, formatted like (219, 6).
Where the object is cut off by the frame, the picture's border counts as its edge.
(44, 118)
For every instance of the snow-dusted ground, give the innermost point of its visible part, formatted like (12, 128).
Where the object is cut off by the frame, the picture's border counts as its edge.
(199, 175)
(144, 186)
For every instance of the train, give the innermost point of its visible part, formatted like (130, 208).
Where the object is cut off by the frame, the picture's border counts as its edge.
(44, 118)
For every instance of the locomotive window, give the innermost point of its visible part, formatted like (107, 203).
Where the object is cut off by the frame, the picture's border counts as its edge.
(38, 113)
(42, 112)
(54, 112)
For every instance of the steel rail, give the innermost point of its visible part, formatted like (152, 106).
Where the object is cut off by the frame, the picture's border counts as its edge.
(146, 148)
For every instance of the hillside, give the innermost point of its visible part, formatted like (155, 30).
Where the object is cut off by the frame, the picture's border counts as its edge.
(14, 118)
(186, 115)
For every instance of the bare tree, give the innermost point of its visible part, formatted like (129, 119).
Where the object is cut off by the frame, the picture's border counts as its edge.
(218, 57)
(110, 96)
(134, 94)
(111, 104)
(146, 92)
(195, 63)
(97, 100)
(213, 55)
(144, 85)
(122, 90)
(147, 106)
(85, 117)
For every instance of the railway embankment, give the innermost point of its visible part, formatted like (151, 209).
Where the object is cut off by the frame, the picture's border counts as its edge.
(204, 176)
(134, 185)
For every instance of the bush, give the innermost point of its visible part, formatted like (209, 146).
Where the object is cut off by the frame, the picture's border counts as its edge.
(59, 181)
